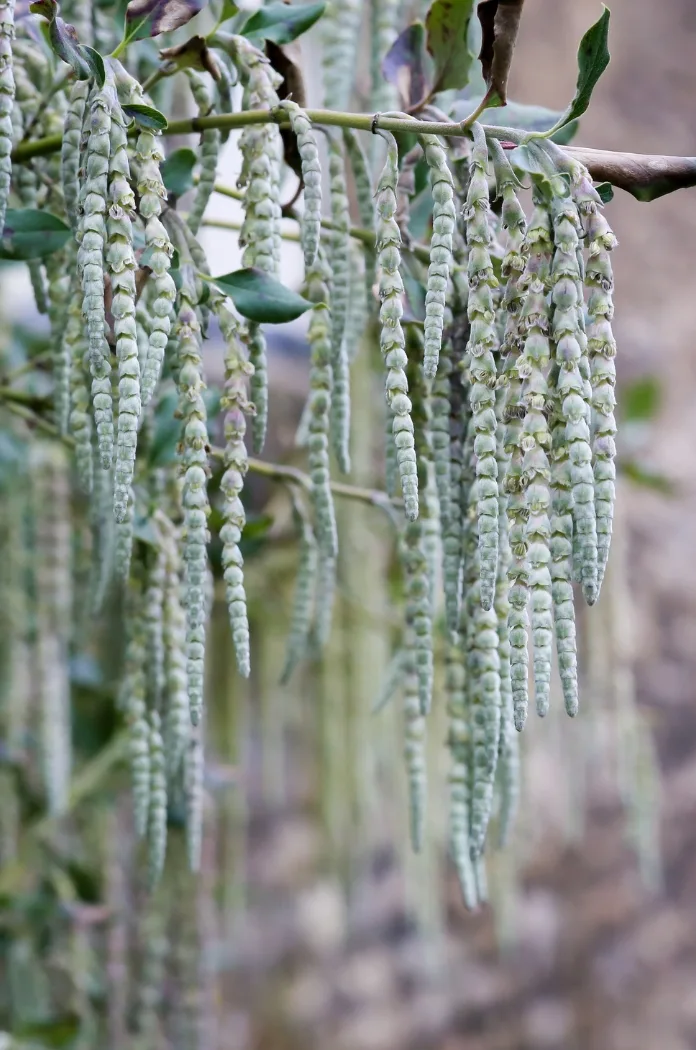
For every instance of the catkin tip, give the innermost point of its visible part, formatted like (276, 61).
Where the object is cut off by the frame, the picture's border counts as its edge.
(590, 592)
(195, 717)
(430, 367)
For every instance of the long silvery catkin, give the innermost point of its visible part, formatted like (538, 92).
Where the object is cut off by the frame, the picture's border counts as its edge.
(339, 265)
(209, 151)
(483, 342)
(320, 383)
(600, 241)
(154, 615)
(508, 770)
(7, 92)
(159, 248)
(121, 263)
(194, 496)
(236, 405)
(440, 429)
(310, 225)
(418, 611)
(392, 342)
(303, 600)
(80, 417)
(341, 24)
(90, 261)
(452, 523)
(442, 189)
(414, 745)
(366, 205)
(459, 743)
(193, 782)
(177, 723)
(132, 703)
(157, 820)
(70, 149)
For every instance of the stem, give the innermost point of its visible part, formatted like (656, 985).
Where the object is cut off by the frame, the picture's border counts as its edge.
(57, 85)
(154, 78)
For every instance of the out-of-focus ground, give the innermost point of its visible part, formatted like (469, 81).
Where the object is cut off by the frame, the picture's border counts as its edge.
(600, 963)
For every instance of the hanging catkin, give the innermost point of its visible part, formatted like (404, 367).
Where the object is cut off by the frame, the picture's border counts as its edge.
(341, 24)
(209, 151)
(459, 743)
(320, 384)
(365, 198)
(339, 265)
(442, 189)
(7, 90)
(80, 417)
(157, 821)
(303, 601)
(311, 179)
(414, 744)
(177, 723)
(132, 703)
(481, 367)
(194, 496)
(392, 342)
(70, 149)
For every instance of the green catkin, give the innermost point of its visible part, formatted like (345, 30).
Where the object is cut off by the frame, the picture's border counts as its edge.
(418, 612)
(102, 515)
(481, 366)
(152, 193)
(324, 599)
(194, 457)
(356, 323)
(235, 403)
(209, 151)
(90, 262)
(7, 92)
(311, 179)
(384, 30)
(414, 745)
(508, 751)
(151, 977)
(157, 820)
(320, 383)
(70, 149)
(193, 779)
(452, 523)
(80, 417)
(365, 199)
(59, 267)
(459, 743)
(391, 682)
(392, 342)
(123, 546)
(339, 265)
(600, 241)
(518, 576)
(121, 262)
(303, 601)
(177, 722)
(133, 706)
(442, 189)
(341, 24)
(153, 614)
(440, 429)
(532, 366)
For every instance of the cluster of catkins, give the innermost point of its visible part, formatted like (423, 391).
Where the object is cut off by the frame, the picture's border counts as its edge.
(499, 405)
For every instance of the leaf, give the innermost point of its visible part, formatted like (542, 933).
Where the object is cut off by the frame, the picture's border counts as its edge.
(261, 298)
(500, 21)
(32, 234)
(447, 25)
(62, 37)
(194, 53)
(59, 1032)
(641, 399)
(177, 171)
(146, 116)
(606, 191)
(646, 478)
(153, 17)
(593, 59)
(281, 23)
(404, 65)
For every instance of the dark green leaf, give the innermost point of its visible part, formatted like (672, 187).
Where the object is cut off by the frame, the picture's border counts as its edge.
(593, 59)
(447, 25)
(261, 298)
(646, 478)
(281, 23)
(62, 37)
(58, 1032)
(404, 65)
(641, 399)
(606, 191)
(146, 116)
(32, 234)
(153, 17)
(500, 21)
(257, 526)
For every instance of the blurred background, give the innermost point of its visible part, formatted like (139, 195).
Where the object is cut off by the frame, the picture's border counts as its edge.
(318, 927)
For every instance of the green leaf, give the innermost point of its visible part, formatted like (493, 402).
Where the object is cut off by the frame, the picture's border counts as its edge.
(606, 191)
(146, 116)
(593, 59)
(646, 478)
(281, 23)
(261, 298)
(447, 26)
(32, 234)
(641, 399)
(59, 1032)
(62, 37)
(500, 21)
(404, 65)
(152, 17)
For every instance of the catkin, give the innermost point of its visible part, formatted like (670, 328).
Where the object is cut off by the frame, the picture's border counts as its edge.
(91, 238)
(194, 458)
(442, 189)
(418, 612)
(177, 723)
(193, 779)
(159, 250)
(209, 151)
(392, 342)
(303, 601)
(123, 546)
(132, 703)
(414, 745)
(341, 24)
(365, 198)
(339, 265)
(153, 615)
(440, 429)
(311, 179)
(508, 750)
(157, 822)
(121, 262)
(320, 384)
(481, 366)
(70, 149)
(80, 418)
(7, 92)
(235, 403)
(459, 743)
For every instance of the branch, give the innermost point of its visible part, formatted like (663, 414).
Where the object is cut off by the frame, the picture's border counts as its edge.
(646, 176)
